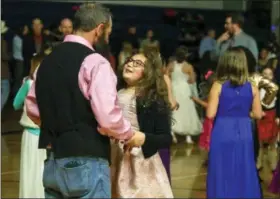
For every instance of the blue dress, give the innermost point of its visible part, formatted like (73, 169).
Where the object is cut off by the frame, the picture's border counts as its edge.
(231, 170)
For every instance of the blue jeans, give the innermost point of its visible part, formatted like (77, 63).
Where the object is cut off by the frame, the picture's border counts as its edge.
(5, 91)
(77, 177)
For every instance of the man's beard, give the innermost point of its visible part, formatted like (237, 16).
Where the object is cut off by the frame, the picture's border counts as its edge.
(102, 47)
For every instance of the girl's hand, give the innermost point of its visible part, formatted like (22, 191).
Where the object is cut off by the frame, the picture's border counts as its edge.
(174, 106)
(190, 81)
(277, 120)
(106, 132)
(24, 79)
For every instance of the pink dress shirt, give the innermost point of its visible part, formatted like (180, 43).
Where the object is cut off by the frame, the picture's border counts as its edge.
(97, 82)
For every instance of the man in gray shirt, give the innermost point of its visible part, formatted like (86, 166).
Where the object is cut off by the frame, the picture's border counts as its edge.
(234, 36)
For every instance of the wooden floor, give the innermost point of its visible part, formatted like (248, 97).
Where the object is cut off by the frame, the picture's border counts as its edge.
(188, 174)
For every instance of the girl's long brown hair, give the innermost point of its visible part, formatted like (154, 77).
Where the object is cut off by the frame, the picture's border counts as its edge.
(152, 87)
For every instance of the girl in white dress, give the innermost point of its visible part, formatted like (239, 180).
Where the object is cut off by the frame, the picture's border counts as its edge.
(32, 158)
(186, 119)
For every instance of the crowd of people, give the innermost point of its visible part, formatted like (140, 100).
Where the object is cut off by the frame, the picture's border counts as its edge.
(67, 82)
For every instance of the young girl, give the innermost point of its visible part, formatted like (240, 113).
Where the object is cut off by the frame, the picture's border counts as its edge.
(204, 140)
(32, 158)
(186, 119)
(267, 127)
(139, 173)
(232, 171)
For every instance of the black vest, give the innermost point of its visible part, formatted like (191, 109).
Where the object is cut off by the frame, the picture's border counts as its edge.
(67, 121)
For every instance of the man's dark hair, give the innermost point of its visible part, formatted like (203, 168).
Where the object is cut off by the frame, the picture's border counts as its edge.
(89, 16)
(236, 18)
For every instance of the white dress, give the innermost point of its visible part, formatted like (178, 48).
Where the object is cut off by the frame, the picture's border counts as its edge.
(186, 119)
(32, 158)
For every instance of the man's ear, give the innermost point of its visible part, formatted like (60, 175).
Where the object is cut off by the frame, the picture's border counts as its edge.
(100, 29)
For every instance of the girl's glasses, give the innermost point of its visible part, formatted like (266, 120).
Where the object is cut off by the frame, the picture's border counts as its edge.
(135, 63)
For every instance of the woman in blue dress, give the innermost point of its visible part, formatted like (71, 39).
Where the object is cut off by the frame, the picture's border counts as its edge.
(233, 100)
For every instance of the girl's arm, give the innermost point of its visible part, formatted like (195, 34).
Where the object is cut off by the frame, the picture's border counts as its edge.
(257, 112)
(21, 95)
(161, 136)
(171, 98)
(202, 103)
(213, 100)
(188, 69)
(169, 68)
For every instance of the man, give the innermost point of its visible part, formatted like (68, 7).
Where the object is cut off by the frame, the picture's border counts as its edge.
(132, 38)
(66, 27)
(208, 43)
(34, 43)
(149, 42)
(5, 73)
(74, 94)
(234, 36)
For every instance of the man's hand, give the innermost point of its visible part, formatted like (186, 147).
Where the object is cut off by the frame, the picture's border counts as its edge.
(137, 140)
(223, 37)
(47, 32)
(106, 132)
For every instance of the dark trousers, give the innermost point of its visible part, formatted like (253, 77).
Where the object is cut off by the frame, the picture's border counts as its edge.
(18, 76)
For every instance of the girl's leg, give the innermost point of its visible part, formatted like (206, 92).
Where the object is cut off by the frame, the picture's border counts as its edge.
(174, 137)
(260, 157)
(272, 155)
(189, 139)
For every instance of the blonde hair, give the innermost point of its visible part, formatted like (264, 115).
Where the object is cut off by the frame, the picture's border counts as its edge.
(232, 67)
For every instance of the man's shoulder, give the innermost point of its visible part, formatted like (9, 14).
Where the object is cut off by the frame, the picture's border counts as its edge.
(248, 37)
(96, 59)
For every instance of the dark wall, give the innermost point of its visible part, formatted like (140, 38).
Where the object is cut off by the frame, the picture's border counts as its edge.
(17, 13)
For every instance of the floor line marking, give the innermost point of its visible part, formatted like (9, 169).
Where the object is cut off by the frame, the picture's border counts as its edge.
(188, 176)
(9, 172)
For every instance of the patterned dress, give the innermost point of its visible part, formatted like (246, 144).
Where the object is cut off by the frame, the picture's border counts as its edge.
(133, 176)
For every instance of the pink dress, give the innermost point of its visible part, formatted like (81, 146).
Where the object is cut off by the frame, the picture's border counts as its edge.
(133, 176)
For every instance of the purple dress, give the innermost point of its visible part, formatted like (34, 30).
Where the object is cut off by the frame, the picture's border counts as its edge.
(165, 158)
(232, 171)
(275, 183)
